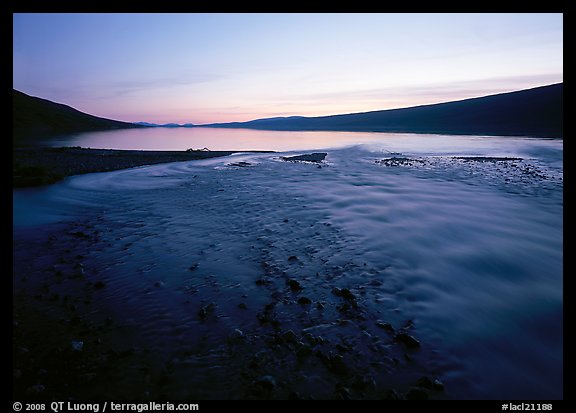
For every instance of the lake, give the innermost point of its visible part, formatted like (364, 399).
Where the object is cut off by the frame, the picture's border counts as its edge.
(218, 139)
(459, 239)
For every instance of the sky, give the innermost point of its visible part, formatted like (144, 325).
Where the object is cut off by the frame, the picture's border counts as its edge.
(205, 68)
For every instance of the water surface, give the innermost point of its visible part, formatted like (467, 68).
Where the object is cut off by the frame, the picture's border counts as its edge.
(469, 250)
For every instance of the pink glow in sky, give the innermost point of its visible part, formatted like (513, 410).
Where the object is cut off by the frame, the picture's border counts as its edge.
(205, 68)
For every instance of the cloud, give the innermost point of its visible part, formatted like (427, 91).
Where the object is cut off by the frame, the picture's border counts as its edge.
(405, 96)
(135, 86)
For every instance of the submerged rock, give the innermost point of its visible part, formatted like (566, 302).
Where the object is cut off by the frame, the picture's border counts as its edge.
(290, 337)
(236, 336)
(344, 293)
(335, 363)
(310, 157)
(385, 326)
(429, 383)
(347, 294)
(399, 161)
(241, 164)
(304, 350)
(406, 339)
(304, 301)
(294, 285)
(206, 310)
(99, 284)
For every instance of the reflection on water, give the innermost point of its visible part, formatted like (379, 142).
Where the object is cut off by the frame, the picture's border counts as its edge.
(245, 139)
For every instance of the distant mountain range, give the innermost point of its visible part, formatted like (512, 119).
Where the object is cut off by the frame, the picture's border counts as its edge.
(530, 112)
(35, 117)
(166, 125)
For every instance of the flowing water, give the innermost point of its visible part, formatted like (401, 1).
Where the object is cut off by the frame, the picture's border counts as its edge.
(462, 235)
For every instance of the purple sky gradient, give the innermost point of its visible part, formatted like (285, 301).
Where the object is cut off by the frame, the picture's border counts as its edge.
(203, 68)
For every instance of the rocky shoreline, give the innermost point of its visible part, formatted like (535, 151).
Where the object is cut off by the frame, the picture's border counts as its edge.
(67, 343)
(41, 166)
(290, 322)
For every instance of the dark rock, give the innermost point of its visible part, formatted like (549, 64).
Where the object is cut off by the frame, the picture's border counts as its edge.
(304, 301)
(438, 385)
(193, 267)
(367, 334)
(347, 294)
(406, 339)
(429, 383)
(292, 258)
(320, 340)
(309, 337)
(290, 337)
(342, 348)
(236, 336)
(159, 284)
(416, 393)
(99, 284)
(385, 326)
(294, 285)
(266, 317)
(344, 293)
(311, 157)
(206, 310)
(336, 364)
(425, 382)
(269, 307)
(304, 350)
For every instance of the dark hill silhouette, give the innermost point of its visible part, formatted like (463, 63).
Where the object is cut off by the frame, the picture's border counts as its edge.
(530, 112)
(36, 118)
